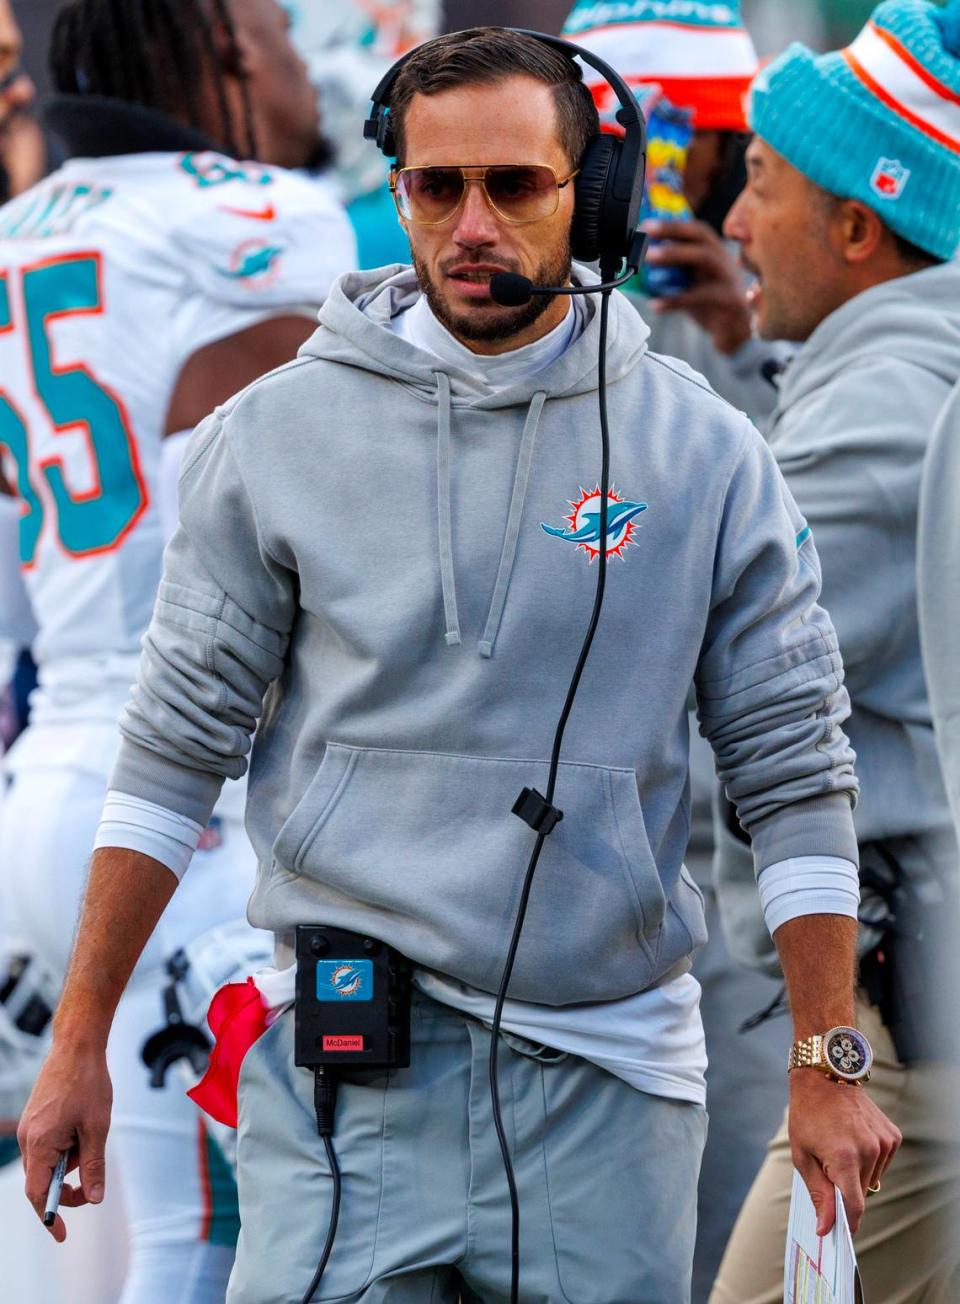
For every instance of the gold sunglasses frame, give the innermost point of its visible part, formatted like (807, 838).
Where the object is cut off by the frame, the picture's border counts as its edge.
(481, 181)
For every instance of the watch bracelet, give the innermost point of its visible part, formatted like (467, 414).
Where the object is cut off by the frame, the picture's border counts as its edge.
(808, 1054)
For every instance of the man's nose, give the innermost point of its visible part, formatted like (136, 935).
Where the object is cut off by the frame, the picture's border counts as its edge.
(735, 226)
(476, 221)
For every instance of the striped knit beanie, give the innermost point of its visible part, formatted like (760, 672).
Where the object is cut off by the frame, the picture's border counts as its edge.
(878, 121)
(699, 53)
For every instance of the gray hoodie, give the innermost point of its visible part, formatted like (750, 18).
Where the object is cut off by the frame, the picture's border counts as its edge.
(857, 408)
(939, 569)
(396, 559)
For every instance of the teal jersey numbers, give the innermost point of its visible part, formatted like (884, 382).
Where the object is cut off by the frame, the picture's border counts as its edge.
(15, 438)
(98, 519)
(215, 170)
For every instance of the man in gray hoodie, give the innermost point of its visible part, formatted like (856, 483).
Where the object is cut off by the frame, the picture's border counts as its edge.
(385, 553)
(850, 221)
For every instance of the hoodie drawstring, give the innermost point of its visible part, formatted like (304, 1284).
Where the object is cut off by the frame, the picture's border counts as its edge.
(447, 580)
(508, 554)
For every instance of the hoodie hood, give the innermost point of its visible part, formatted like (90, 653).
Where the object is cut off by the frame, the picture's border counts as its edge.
(914, 319)
(355, 330)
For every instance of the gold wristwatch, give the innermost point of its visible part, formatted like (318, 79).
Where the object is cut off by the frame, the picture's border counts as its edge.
(843, 1054)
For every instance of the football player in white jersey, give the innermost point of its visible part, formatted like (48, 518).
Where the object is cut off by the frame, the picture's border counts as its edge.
(143, 282)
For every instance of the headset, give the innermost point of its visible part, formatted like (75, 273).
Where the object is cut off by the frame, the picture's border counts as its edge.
(609, 188)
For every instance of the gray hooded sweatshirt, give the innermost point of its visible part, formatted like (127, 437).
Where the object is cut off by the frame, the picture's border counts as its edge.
(857, 408)
(939, 570)
(396, 566)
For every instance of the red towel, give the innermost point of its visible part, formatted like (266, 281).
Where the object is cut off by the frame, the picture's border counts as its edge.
(238, 1015)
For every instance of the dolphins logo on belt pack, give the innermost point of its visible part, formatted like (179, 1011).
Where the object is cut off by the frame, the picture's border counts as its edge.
(584, 521)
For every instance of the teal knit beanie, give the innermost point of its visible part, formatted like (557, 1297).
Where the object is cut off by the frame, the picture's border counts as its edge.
(879, 121)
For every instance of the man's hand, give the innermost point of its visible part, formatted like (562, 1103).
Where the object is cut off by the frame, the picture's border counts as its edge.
(69, 1109)
(839, 1138)
(838, 1135)
(717, 299)
(70, 1105)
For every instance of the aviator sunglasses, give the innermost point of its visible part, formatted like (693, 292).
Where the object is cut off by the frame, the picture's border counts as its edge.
(517, 192)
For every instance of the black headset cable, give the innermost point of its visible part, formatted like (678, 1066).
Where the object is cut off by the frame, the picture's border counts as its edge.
(325, 1103)
(551, 787)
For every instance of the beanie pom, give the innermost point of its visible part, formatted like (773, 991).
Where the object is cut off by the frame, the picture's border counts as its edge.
(949, 20)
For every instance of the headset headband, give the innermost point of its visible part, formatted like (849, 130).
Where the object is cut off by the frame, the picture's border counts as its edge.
(628, 115)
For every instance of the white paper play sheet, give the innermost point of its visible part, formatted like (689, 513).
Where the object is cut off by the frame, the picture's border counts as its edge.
(818, 1270)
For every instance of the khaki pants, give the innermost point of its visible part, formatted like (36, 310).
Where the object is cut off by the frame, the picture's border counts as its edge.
(908, 1246)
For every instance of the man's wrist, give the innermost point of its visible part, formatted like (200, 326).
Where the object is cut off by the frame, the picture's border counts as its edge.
(81, 1038)
(83, 1022)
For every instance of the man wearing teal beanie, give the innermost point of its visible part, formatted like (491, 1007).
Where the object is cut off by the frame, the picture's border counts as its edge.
(851, 223)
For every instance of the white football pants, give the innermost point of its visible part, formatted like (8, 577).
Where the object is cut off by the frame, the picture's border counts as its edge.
(179, 1195)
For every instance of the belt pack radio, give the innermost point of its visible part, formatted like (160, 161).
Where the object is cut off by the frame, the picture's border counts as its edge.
(353, 1001)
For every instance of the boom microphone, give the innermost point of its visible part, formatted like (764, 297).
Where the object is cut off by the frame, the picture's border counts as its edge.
(511, 290)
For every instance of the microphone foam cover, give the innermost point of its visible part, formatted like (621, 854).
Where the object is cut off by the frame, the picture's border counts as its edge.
(511, 290)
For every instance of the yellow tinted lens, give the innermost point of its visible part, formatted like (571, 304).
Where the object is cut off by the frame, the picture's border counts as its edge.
(429, 194)
(523, 194)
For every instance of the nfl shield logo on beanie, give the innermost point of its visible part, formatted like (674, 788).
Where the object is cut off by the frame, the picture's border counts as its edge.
(889, 178)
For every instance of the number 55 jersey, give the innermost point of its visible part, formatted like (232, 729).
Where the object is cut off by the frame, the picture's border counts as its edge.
(113, 272)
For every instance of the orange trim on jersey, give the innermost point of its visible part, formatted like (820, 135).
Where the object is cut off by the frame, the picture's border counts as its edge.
(44, 511)
(132, 446)
(206, 1187)
(875, 89)
(914, 64)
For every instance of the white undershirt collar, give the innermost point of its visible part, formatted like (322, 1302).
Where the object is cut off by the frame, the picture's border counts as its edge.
(419, 327)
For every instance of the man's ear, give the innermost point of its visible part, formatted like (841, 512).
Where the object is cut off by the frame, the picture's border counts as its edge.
(862, 231)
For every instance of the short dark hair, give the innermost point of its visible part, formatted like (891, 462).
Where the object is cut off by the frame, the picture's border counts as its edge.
(150, 52)
(488, 54)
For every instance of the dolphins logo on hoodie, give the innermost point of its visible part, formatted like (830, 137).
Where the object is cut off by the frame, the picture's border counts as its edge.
(584, 521)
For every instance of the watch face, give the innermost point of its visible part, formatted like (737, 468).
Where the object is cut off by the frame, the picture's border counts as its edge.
(848, 1053)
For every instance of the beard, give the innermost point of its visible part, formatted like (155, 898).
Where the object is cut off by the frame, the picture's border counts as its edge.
(488, 322)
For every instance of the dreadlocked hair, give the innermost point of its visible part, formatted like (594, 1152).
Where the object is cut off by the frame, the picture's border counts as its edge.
(152, 52)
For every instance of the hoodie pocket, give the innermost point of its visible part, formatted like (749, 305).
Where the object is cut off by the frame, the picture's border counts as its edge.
(317, 803)
(426, 845)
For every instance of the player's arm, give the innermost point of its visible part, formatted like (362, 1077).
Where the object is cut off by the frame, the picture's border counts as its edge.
(839, 1137)
(220, 369)
(126, 894)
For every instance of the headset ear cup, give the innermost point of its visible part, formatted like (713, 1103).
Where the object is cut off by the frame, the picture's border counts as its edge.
(596, 168)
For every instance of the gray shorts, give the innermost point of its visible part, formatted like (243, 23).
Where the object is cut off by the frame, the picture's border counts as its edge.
(607, 1177)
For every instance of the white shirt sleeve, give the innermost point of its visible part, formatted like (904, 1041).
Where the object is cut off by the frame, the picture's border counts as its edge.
(143, 826)
(808, 885)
